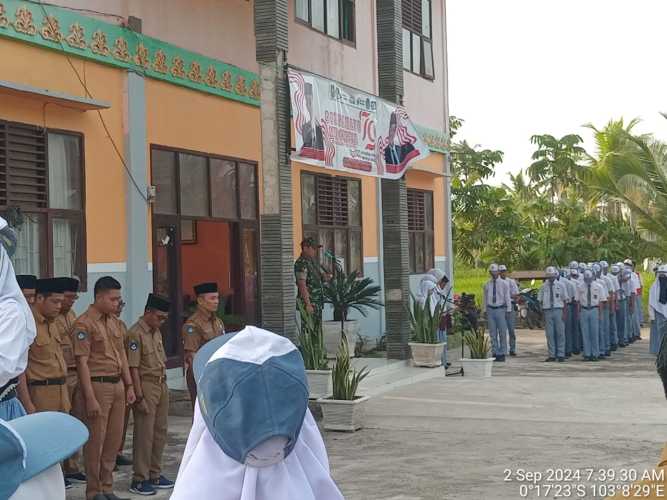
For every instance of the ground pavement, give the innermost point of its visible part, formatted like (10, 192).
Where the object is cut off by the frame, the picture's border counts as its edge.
(457, 438)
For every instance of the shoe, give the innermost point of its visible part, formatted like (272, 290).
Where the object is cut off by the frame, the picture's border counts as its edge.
(162, 483)
(622, 344)
(576, 353)
(596, 359)
(76, 478)
(614, 347)
(100, 496)
(448, 365)
(68, 485)
(512, 353)
(561, 360)
(122, 460)
(500, 359)
(143, 488)
(549, 360)
(113, 496)
(588, 358)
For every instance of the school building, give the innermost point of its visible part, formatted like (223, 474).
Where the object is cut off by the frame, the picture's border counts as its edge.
(151, 140)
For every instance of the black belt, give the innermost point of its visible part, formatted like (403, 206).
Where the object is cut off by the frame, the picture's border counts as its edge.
(592, 307)
(496, 307)
(48, 381)
(8, 391)
(106, 380)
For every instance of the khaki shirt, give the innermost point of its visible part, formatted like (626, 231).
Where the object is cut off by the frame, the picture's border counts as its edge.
(145, 350)
(45, 357)
(64, 324)
(201, 327)
(100, 337)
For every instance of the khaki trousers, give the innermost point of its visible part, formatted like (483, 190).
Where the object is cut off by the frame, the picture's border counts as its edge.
(71, 465)
(50, 397)
(150, 430)
(192, 386)
(105, 430)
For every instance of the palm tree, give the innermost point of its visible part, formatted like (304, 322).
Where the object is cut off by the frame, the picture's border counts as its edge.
(631, 169)
(557, 163)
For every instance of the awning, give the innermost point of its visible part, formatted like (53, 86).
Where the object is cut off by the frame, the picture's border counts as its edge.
(49, 96)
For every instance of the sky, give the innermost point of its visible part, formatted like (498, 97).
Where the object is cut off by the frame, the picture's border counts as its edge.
(523, 67)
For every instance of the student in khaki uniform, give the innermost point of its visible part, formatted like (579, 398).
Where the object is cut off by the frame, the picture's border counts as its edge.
(201, 327)
(64, 323)
(46, 374)
(105, 383)
(147, 360)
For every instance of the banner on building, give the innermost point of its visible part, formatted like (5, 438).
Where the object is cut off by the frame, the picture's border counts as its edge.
(345, 129)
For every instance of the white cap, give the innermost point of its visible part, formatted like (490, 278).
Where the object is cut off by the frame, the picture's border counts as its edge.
(502, 267)
(551, 271)
(493, 268)
(604, 264)
(596, 267)
(662, 268)
(574, 264)
(615, 269)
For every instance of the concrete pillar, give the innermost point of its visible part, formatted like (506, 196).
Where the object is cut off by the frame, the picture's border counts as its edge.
(277, 276)
(138, 278)
(394, 192)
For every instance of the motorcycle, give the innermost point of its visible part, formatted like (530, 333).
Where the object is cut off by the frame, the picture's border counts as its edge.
(530, 312)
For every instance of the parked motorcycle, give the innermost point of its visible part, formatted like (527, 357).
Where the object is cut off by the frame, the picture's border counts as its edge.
(530, 312)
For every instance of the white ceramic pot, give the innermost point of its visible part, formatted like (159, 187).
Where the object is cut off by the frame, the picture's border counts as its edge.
(319, 383)
(477, 368)
(428, 355)
(332, 336)
(341, 415)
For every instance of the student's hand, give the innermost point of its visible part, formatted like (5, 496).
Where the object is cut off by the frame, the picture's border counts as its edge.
(141, 406)
(93, 408)
(30, 408)
(131, 397)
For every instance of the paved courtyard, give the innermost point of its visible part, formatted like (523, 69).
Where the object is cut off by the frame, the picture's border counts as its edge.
(456, 438)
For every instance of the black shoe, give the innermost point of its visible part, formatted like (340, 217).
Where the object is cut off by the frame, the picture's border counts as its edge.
(512, 353)
(143, 488)
(112, 496)
(561, 360)
(100, 496)
(576, 353)
(622, 344)
(68, 485)
(76, 478)
(501, 359)
(448, 365)
(549, 360)
(122, 461)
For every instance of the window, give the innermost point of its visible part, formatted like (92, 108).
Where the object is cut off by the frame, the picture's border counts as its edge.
(420, 230)
(41, 173)
(331, 211)
(417, 37)
(333, 17)
(202, 186)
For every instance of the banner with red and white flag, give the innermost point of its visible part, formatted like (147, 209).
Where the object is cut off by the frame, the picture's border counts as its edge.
(345, 129)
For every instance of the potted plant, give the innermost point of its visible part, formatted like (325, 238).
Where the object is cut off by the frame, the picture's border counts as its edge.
(425, 348)
(311, 345)
(479, 364)
(344, 410)
(345, 292)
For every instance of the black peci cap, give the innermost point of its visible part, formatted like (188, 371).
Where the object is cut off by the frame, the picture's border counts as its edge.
(70, 284)
(310, 242)
(26, 281)
(49, 285)
(158, 303)
(202, 288)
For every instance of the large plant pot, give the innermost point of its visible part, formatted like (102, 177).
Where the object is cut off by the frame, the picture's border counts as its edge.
(428, 355)
(341, 415)
(332, 336)
(477, 368)
(319, 383)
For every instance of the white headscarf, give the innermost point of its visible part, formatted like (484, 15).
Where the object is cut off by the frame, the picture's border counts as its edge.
(207, 472)
(17, 325)
(48, 485)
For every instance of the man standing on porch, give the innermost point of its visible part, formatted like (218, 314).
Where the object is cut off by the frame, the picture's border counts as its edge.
(305, 272)
(201, 327)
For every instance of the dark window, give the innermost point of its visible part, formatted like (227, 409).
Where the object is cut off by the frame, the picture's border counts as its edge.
(41, 173)
(420, 230)
(333, 17)
(331, 211)
(417, 37)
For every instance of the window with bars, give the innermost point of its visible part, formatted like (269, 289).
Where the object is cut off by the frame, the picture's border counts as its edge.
(417, 37)
(41, 174)
(420, 230)
(331, 211)
(333, 17)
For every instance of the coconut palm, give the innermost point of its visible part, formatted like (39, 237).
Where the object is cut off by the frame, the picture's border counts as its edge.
(631, 169)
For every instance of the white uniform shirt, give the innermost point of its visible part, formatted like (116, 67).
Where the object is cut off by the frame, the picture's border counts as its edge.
(605, 291)
(636, 282)
(559, 295)
(597, 292)
(628, 289)
(514, 287)
(612, 286)
(503, 297)
(654, 301)
(574, 283)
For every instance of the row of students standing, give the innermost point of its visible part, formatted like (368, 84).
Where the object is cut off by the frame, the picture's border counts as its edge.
(93, 367)
(590, 308)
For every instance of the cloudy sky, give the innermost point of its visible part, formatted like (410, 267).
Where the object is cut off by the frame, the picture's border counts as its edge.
(524, 67)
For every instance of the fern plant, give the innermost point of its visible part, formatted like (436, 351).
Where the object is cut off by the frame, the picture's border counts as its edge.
(346, 379)
(311, 340)
(424, 322)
